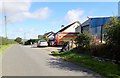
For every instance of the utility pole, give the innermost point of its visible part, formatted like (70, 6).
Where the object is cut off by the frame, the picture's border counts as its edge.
(5, 26)
(1, 28)
(24, 37)
(5, 19)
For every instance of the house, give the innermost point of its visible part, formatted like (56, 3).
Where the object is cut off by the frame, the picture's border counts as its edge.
(66, 33)
(48, 33)
(50, 36)
(39, 36)
(78, 29)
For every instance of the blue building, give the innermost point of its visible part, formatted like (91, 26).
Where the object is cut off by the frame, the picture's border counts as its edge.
(119, 8)
(95, 26)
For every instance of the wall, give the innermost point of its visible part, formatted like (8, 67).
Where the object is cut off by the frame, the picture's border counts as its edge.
(78, 29)
(72, 28)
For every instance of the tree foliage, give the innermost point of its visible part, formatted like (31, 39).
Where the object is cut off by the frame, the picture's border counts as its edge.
(18, 39)
(83, 39)
(4, 41)
(113, 32)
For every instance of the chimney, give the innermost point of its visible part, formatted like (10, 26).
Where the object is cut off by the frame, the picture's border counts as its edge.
(62, 26)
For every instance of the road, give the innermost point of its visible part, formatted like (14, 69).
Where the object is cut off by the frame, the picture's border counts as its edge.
(0, 65)
(26, 61)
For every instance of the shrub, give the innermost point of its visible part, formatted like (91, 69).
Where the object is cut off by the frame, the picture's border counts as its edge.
(18, 40)
(113, 37)
(28, 42)
(83, 40)
(113, 32)
(107, 51)
(5, 41)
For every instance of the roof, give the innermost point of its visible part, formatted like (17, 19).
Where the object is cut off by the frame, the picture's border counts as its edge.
(68, 26)
(97, 21)
(87, 22)
(49, 33)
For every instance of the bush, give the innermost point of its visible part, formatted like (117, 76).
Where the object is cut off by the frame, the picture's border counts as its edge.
(83, 40)
(5, 41)
(113, 32)
(28, 42)
(18, 40)
(113, 38)
(105, 51)
(99, 50)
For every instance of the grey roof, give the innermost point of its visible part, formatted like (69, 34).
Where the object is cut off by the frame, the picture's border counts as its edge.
(49, 33)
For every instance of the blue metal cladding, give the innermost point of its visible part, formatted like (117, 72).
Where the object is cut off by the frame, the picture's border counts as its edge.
(95, 22)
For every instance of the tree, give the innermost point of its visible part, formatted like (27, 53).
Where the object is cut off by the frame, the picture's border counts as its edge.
(113, 37)
(83, 39)
(18, 39)
(113, 32)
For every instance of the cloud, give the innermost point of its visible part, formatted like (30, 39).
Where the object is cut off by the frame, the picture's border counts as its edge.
(74, 15)
(41, 14)
(15, 6)
(17, 10)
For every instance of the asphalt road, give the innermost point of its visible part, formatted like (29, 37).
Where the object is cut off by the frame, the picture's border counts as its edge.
(0, 65)
(26, 61)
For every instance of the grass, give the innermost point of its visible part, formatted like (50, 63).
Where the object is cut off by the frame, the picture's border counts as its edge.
(106, 69)
(4, 47)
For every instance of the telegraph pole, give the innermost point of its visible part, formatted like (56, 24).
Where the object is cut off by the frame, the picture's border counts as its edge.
(5, 26)
(24, 38)
(5, 20)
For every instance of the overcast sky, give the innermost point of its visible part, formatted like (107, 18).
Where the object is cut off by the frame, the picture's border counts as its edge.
(38, 17)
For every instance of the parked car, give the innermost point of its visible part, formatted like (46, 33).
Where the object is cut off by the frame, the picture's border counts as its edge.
(42, 43)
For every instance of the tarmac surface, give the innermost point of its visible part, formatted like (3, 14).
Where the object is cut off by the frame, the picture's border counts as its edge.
(22, 60)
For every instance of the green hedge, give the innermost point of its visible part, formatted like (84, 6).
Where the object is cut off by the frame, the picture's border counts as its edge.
(103, 51)
(28, 42)
(5, 41)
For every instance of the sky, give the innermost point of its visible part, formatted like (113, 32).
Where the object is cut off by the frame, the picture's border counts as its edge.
(28, 19)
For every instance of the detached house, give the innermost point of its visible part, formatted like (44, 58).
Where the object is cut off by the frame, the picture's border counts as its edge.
(50, 35)
(67, 33)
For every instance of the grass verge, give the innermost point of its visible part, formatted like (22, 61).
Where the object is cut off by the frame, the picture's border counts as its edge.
(4, 47)
(106, 69)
